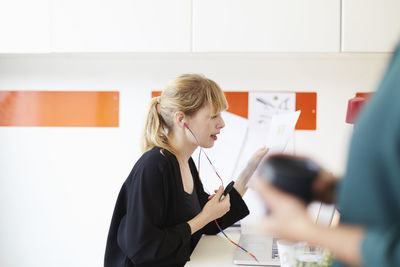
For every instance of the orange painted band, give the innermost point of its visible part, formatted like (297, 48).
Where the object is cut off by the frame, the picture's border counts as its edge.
(59, 108)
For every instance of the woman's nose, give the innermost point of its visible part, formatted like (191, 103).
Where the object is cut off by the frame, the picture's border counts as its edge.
(221, 124)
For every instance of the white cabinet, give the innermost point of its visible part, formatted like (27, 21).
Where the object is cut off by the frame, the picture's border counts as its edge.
(121, 26)
(24, 26)
(266, 26)
(370, 25)
(43, 26)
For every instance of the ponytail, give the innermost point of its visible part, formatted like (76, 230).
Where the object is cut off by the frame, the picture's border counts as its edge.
(155, 130)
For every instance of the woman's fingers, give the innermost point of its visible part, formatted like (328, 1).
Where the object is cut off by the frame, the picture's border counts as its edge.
(219, 193)
(262, 151)
(258, 156)
(226, 198)
(253, 163)
(211, 196)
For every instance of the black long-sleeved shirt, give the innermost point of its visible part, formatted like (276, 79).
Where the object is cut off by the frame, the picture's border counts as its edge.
(149, 225)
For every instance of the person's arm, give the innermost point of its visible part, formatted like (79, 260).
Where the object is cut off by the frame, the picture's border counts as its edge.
(244, 177)
(354, 245)
(212, 210)
(334, 240)
(288, 219)
(237, 211)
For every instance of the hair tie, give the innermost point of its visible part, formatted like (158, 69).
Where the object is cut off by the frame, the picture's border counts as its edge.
(158, 106)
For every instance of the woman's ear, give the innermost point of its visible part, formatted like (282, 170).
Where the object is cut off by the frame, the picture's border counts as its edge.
(179, 119)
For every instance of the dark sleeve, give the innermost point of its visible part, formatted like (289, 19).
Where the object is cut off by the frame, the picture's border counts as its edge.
(142, 235)
(237, 211)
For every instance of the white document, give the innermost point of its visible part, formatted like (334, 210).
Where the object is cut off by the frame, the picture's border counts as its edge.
(277, 138)
(281, 131)
(280, 134)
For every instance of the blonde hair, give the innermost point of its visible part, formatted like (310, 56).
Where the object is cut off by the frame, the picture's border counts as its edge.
(187, 93)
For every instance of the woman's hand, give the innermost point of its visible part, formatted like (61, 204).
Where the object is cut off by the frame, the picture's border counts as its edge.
(248, 171)
(215, 208)
(287, 215)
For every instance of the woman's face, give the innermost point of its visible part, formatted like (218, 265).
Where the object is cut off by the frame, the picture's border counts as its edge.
(205, 126)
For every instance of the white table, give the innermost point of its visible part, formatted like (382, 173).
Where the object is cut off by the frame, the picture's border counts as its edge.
(215, 250)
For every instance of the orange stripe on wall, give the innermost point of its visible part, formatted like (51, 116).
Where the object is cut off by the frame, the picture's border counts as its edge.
(238, 103)
(59, 108)
(307, 103)
(365, 95)
(155, 93)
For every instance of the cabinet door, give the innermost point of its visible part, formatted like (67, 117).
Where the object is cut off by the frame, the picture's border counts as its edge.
(121, 26)
(370, 25)
(24, 26)
(266, 25)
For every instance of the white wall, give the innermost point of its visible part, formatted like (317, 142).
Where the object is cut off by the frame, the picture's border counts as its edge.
(58, 186)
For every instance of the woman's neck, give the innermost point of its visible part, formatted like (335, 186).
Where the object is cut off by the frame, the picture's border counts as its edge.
(182, 147)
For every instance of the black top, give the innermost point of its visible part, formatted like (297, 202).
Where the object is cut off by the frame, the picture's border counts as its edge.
(149, 225)
(192, 207)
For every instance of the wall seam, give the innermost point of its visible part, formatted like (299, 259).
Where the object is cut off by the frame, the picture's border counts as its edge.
(341, 27)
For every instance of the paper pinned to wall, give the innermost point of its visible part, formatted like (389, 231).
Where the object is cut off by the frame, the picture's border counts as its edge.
(263, 105)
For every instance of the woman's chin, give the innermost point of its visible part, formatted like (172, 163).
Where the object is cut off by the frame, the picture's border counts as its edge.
(209, 145)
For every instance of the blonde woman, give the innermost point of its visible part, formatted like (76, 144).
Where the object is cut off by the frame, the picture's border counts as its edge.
(162, 209)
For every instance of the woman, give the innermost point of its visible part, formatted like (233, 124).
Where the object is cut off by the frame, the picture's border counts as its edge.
(162, 209)
(368, 196)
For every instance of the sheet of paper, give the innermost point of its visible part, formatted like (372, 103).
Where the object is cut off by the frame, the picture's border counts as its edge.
(281, 131)
(277, 138)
